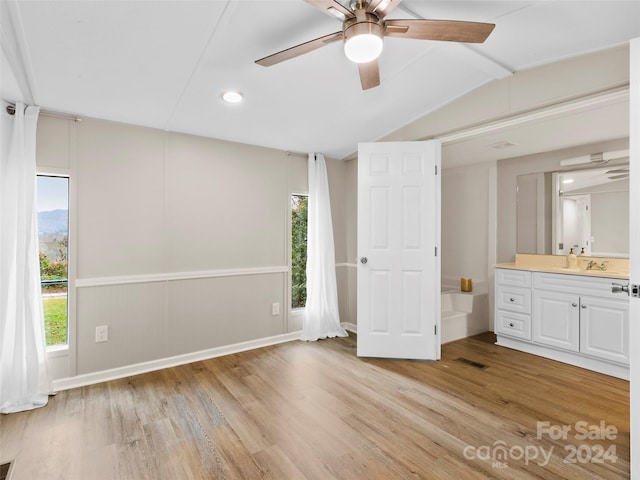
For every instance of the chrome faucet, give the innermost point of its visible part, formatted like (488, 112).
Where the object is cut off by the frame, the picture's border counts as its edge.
(592, 264)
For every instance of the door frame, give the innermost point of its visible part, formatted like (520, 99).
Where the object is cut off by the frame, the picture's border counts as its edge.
(634, 250)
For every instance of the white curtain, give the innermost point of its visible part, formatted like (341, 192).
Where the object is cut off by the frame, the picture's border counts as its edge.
(322, 319)
(24, 380)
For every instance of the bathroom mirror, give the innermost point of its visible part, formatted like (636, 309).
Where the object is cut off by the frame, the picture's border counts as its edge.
(580, 209)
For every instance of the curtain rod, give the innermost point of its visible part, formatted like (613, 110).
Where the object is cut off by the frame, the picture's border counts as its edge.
(11, 110)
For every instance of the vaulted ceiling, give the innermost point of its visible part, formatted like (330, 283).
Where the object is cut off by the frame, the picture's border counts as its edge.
(165, 64)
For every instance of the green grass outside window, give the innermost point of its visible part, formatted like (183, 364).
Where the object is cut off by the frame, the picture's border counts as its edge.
(55, 320)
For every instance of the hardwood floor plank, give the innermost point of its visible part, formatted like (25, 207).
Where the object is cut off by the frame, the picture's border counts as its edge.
(275, 465)
(316, 411)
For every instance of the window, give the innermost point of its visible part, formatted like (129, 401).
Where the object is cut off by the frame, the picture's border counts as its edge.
(53, 235)
(299, 208)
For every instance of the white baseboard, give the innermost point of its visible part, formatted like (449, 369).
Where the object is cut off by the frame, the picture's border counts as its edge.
(153, 365)
(351, 327)
(150, 366)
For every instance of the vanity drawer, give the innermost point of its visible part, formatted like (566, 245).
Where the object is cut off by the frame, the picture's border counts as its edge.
(582, 285)
(513, 299)
(513, 324)
(516, 278)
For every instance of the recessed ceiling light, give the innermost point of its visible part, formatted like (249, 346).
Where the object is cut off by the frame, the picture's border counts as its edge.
(232, 96)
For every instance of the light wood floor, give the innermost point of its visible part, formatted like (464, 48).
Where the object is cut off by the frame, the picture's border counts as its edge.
(316, 411)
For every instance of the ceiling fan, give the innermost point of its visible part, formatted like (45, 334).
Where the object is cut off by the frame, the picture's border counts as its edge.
(363, 29)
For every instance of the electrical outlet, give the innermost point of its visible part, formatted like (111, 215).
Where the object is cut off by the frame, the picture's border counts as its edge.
(275, 309)
(102, 333)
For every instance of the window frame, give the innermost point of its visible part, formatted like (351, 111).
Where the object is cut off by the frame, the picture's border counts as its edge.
(298, 311)
(64, 350)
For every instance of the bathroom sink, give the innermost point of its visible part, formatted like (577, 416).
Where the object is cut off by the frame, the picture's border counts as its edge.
(566, 269)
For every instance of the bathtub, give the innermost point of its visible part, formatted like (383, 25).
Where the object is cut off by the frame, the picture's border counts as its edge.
(463, 314)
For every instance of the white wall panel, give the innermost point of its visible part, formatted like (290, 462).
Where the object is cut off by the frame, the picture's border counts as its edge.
(224, 205)
(336, 170)
(351, 210)
(350, 237)
(527, 89)
(53, 143)
(135, 315)
(580, 76)
(342, 281)
(149, 321)
(465, 223)
(120, 199)
(213, 312)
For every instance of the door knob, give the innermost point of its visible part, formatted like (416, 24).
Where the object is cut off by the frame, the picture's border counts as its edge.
(363, 260)
(574, 304)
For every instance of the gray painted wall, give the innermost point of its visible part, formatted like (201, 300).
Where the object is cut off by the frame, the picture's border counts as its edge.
(153, 203)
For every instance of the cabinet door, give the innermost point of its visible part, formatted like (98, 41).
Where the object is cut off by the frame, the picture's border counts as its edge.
(556, 320)
(604, 329)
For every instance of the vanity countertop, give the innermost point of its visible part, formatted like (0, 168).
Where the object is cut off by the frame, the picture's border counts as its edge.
(615, 267)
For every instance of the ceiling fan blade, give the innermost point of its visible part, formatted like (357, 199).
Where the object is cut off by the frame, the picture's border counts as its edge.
(369, 74)
(326, 6)
(618, 177)
(442, 30)
(382, 8)
(298, 50)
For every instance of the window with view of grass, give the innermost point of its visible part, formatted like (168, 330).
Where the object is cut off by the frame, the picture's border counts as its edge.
(53, 235)
(299, 208)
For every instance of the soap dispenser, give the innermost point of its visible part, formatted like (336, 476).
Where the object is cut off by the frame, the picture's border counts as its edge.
(582, 251)
(572, 260)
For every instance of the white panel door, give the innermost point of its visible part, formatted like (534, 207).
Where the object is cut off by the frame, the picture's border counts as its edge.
(398, 249)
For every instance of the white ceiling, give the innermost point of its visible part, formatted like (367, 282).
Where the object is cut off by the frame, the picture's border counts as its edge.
(164, 64)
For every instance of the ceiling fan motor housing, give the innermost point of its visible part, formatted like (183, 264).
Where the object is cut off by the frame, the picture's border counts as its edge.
(363, 23)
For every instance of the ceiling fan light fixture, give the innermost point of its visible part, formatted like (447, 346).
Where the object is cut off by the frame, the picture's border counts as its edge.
(363, 48)
(363, 41)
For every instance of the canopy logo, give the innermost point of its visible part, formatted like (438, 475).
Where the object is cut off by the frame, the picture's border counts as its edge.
(590, 451)
(499, 453)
